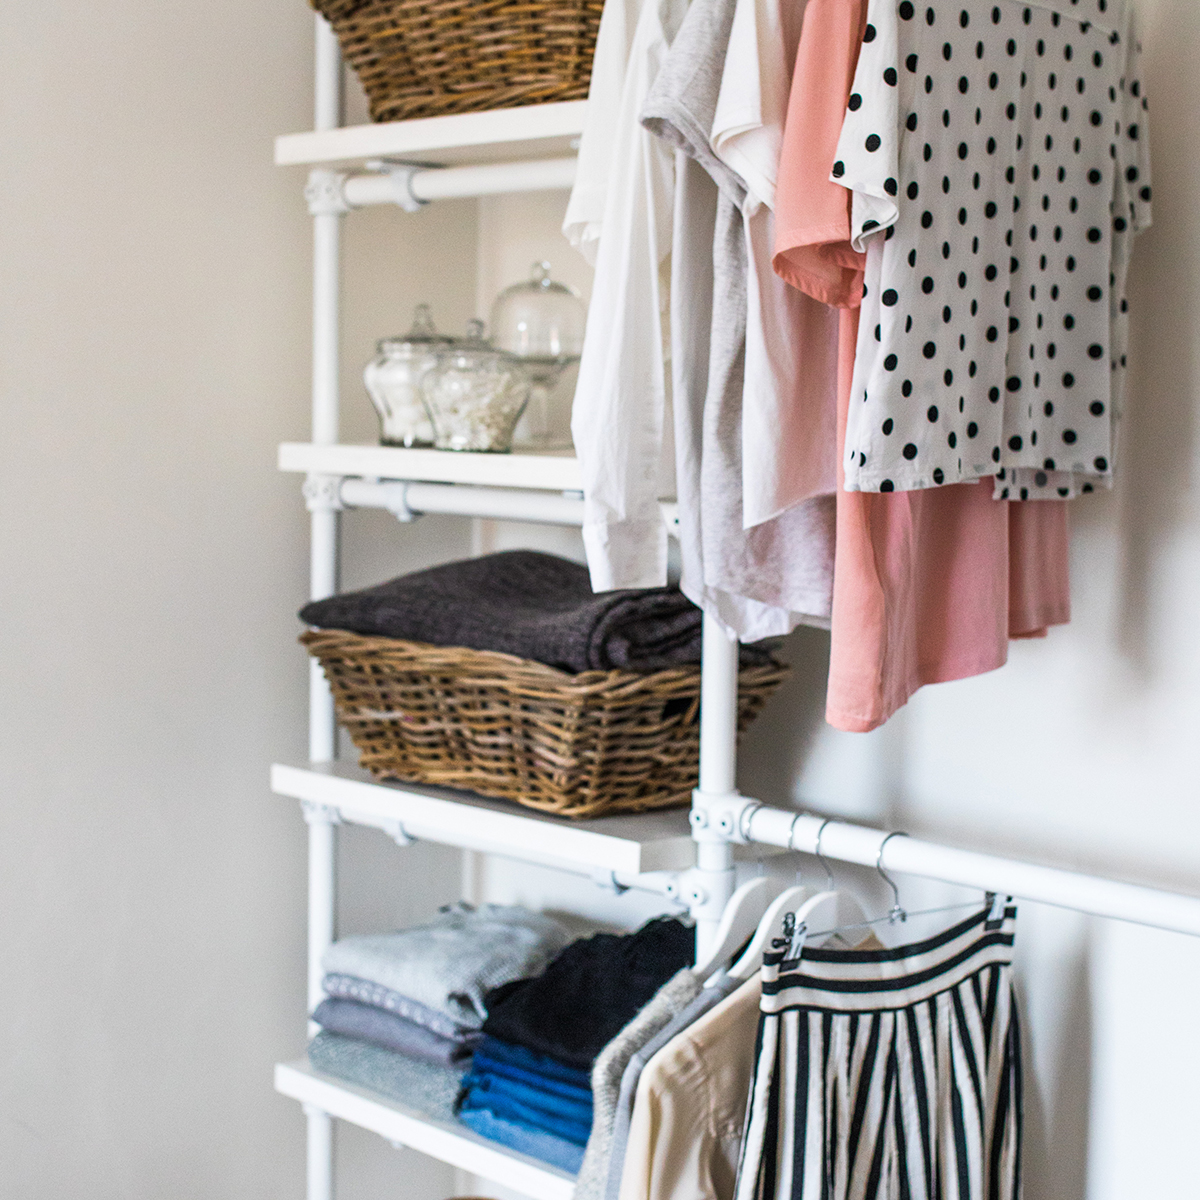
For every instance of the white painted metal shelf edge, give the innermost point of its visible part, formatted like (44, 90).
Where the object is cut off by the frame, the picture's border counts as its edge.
(542, 130)
(627, 845)
(401, 1125)
(552, 471)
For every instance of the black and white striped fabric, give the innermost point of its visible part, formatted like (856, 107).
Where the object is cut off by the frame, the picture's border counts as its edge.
(889, 1074)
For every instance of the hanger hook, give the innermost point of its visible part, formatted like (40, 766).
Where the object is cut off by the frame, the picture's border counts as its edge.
(791, 842)
(791, 838)
(896, 913)
(821, 857)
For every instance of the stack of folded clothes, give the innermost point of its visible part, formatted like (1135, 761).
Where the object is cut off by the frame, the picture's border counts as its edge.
(417, 996)
(530, 1084)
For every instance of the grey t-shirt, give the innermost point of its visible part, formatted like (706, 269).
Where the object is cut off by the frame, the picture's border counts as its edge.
(780, 572)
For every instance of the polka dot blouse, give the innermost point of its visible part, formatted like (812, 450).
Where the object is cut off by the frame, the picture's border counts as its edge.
(997, 155)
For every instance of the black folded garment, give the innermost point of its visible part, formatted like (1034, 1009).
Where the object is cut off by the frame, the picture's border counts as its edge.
(590, 992)
(528, 604)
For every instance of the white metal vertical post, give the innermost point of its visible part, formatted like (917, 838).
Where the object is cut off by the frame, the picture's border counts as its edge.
(718, 777)
(323, 581)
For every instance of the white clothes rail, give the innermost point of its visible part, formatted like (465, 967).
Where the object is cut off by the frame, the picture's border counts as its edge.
(1029, 881)
(731, 818)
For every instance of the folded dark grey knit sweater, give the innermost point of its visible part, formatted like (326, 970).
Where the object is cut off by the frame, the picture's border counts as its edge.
(528, 604)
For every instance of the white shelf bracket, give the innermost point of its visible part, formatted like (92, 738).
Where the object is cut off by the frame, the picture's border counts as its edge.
(322, 493)
(608, 881)
(719, 817)
(396, 831)
(320, 814)
(325, 193)
(399, 177)
(396, 502)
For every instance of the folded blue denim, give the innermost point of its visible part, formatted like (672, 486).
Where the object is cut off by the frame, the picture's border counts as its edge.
(569, 1108)
(546, 1083)
(382, 1028)
(524, 1139)
(494, 1050)
(481, 1092)
(429, 1089)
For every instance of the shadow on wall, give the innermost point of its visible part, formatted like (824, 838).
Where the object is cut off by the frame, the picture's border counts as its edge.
(1055, 1158)
(1158, 434)
(772, 754)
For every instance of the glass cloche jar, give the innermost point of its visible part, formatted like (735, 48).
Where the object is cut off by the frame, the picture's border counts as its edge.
(475, 395)
(541, 322)
(393, 378)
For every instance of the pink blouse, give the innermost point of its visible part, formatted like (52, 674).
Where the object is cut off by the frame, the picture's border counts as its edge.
(928, 585)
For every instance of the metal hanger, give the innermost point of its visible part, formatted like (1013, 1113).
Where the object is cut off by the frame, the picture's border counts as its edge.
(896, 913)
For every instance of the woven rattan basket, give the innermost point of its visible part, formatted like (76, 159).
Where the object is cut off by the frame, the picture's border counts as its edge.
(426, 58)
(577, 745)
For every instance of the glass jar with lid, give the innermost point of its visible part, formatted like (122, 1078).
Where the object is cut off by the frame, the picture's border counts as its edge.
(475, 395)
(393, 378)
(541, 322)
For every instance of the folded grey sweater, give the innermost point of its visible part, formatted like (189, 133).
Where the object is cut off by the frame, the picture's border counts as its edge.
(448, 964)
(347, 987)
(350, 1018)
(429, 1089)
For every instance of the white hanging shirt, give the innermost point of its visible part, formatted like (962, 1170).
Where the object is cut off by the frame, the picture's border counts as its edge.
(618, 416)
(585, 208)
(789, 409)
(997, 153)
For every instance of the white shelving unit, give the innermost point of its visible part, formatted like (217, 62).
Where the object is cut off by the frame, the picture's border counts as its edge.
(407, 163)
(686, 856)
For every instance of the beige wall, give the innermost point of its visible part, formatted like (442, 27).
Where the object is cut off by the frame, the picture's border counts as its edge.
(153, 350)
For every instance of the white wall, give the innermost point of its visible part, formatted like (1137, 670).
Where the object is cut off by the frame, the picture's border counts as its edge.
(153, 349)
(1085, 749)
(154, 314)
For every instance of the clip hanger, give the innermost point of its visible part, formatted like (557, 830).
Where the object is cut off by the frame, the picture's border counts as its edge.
(896, 912)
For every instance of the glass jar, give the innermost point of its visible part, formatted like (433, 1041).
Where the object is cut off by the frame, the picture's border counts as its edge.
(393, 378)
(541, 322)
(475, 395)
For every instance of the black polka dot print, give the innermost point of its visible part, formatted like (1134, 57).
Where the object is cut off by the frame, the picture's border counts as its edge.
(1009, 174)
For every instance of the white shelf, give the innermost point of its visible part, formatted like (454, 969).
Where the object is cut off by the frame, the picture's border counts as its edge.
(627, 845)
(535, 131)
(551, 472)
(447, 1141)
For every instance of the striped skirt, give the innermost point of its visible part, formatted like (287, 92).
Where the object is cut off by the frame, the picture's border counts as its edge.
(888, 1074)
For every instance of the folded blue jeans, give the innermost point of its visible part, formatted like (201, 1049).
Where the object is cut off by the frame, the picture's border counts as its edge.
(567, 1108)
(522, 1058)
(503, 1104)
(524, 1139)
(498, 1069)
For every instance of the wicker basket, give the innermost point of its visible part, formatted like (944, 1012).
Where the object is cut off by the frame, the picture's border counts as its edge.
(576, 745)
(426, 58)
